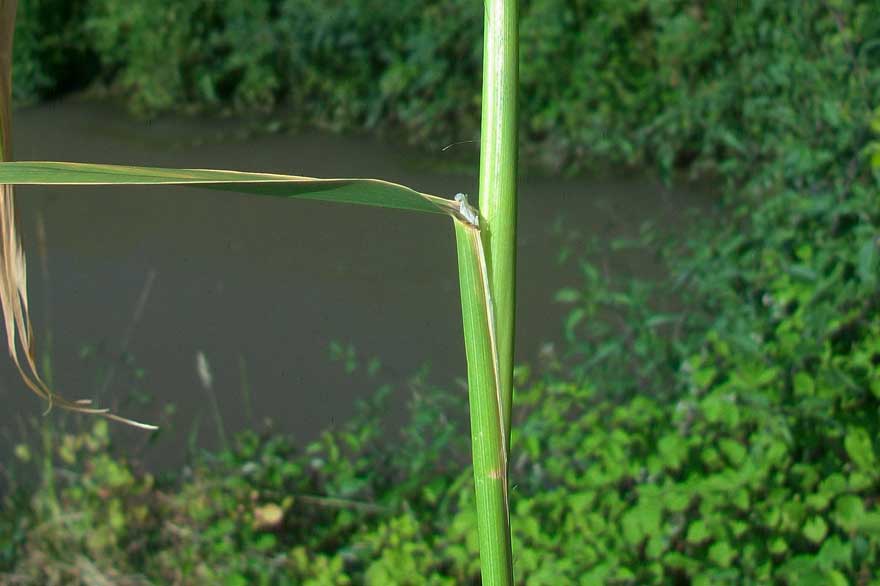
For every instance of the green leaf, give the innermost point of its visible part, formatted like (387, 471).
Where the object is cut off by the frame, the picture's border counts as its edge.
(815, 529)
(834, 484)
(741, 499)
(829, 488)
(847, 511)
(870, 524)
(835, 578)
(733, 450)
(861, 452)
(875, 157)
(677, 501)
(641, 522)
(835, 552)
(875, 121)
(236, 580)
(572, 321)
(371, 192)
(778, 546)
(859, 481)
(793, 515)
(655, 547)
(818, 501)
(738, 528)
(803, 384)
(722, 554)
(673, 449)
(265, 542)
(698, 532)
(772, 517)
(702, 377)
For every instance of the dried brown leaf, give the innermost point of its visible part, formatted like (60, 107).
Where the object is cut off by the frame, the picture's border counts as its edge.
(13, 267)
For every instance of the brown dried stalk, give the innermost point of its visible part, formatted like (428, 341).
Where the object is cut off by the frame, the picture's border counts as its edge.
(13, 268)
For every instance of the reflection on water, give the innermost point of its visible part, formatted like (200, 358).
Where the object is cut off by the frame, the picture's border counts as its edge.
(260, 288)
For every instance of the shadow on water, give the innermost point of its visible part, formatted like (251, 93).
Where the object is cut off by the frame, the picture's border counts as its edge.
(261, 287)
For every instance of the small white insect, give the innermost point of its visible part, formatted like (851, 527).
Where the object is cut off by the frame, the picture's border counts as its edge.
(466, 210)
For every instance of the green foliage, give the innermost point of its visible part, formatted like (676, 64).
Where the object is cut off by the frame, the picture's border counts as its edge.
(728, 86)
(50, 55)
(337, 65)
(637, 491)
(726, 486)
(105, 515)
(344, 509)
(722, 427)
(759, 441)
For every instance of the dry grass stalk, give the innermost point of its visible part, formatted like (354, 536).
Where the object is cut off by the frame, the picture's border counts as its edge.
(13, 268)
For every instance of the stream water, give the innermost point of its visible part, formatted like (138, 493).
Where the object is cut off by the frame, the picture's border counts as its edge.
(261, 287)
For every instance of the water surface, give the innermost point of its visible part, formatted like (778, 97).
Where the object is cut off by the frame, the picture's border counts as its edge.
(262, 287)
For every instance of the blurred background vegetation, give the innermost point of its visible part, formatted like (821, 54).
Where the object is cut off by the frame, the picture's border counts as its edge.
(732, 441)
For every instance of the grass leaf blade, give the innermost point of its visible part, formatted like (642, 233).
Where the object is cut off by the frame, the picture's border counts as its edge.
(373, 192)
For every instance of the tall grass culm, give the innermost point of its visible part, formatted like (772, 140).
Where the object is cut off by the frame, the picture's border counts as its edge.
(498, 170)
(485, 246)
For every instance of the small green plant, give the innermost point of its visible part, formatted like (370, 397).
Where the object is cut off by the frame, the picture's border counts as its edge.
(485, 246)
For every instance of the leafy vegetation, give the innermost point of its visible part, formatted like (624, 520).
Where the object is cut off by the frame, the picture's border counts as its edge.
(721, 427)
(260, 513)
(672, 82)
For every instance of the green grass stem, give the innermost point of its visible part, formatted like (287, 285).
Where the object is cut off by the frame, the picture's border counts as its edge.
(487, 274)
(498, 163)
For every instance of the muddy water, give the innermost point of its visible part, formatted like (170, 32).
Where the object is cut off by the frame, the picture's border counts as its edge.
(262, 287)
